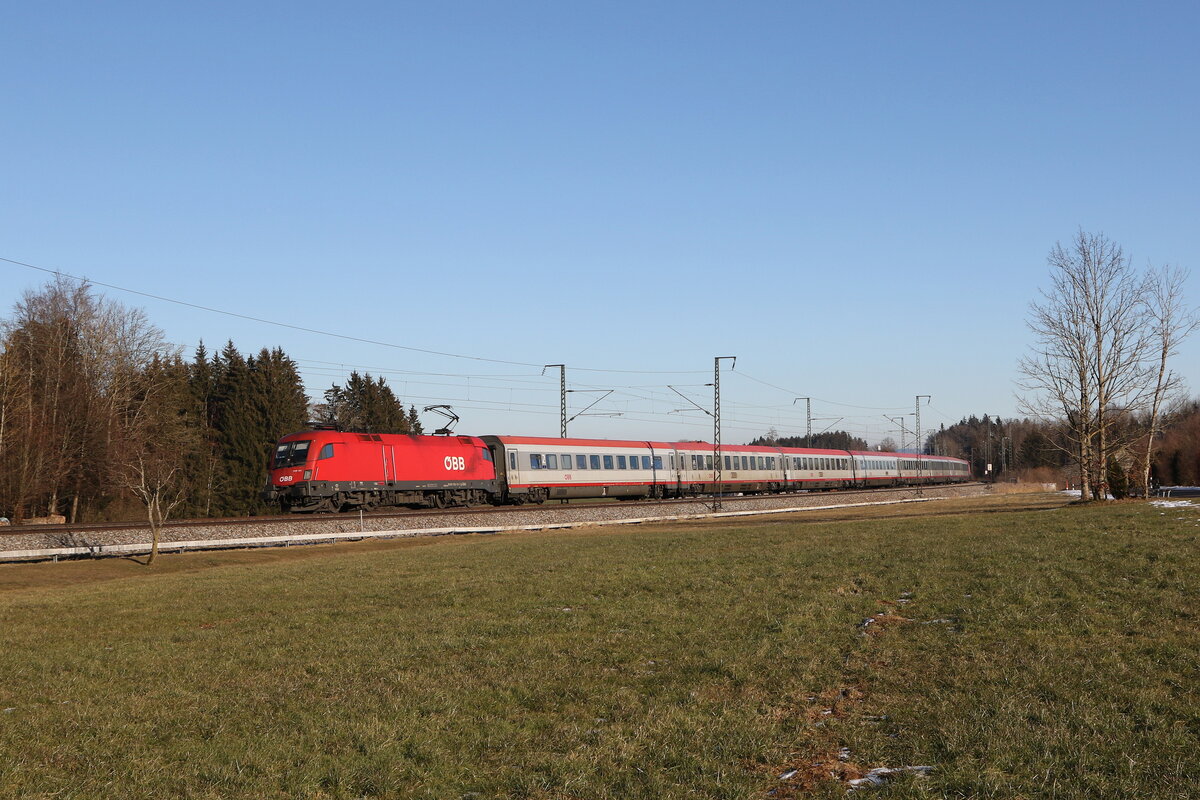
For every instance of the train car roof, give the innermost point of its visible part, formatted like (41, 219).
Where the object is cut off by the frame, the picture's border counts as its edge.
(568, 442)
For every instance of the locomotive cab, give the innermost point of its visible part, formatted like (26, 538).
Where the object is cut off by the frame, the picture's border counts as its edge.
(291, 468)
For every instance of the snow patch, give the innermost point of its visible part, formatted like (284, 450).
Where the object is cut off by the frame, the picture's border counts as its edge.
(881, 775)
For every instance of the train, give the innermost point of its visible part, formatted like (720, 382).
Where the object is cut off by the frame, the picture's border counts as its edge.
(331, 470)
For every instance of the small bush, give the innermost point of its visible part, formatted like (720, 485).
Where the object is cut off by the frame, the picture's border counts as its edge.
(1118, 480)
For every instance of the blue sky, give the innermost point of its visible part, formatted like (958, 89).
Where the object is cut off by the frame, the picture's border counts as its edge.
(856, 200)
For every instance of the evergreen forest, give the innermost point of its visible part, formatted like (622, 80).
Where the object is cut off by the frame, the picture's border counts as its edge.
(98, 412)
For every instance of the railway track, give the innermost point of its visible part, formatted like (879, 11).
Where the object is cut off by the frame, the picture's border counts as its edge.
(398, 513)
(43, 542)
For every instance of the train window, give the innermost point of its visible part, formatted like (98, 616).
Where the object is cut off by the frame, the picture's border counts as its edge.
(646, 462)
(580, 462)
(672, 461)
(486, 453)
(708, 462)
(595, 461)
(695, 463)
(771, 462)
(745, 462)
(762, 462)
(620, 462)
(727, 463)
(535, 460)
(608, 462)
(512, 460)
(326, 452)
(552, 461)
(291, 454)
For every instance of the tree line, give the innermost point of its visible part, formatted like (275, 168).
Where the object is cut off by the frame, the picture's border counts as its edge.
(826, 440)
(101, 419)
(1041, 451)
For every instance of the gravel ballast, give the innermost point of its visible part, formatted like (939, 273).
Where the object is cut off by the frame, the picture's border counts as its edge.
(62, 542)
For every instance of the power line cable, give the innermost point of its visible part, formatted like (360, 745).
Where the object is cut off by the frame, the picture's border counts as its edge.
(332, 334)
(817, 399)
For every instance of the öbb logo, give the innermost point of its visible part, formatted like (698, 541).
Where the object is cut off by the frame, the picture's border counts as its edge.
(455, 463)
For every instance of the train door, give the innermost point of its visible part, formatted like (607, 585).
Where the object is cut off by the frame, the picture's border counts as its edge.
(653, 471)
(514, 468)
(383, 455)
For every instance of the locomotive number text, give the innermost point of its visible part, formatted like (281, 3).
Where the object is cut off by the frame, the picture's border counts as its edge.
(455, 463)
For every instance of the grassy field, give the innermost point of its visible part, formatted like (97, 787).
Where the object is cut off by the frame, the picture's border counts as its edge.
(1019, 647)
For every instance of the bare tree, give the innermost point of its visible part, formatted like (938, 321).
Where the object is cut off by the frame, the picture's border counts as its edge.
(1171, 322)
(68, 362)
(1093, 367)
(155, 441)
(1056, 374)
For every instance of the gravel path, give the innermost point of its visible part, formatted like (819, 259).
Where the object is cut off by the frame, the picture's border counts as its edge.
(59, 543)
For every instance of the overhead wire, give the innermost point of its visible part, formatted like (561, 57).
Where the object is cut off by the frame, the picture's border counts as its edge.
(532, 382)
(332, 334)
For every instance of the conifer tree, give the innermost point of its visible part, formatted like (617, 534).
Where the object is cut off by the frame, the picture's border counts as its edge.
(238, 440)
(367, 405)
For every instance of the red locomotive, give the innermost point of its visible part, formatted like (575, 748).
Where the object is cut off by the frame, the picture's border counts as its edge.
(327, 470)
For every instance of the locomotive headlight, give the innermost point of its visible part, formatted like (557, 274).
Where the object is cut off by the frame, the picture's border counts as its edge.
(307, 474)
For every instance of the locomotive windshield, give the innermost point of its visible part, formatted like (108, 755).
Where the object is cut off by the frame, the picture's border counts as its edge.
(290, 454)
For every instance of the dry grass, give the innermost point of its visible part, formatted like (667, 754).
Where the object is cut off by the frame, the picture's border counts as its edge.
(1022, 648)
(1022, 488)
